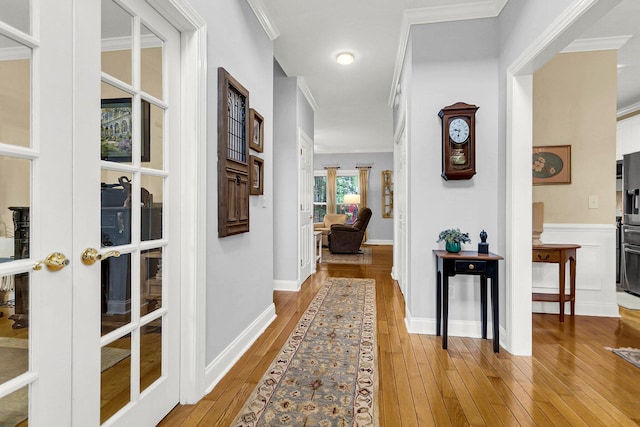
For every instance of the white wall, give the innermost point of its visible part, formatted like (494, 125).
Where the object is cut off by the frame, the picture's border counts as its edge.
(380, 229)
(452, 62)
(595, 269)
(239, 268)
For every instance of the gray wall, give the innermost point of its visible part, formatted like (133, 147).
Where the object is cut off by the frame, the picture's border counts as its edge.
(306, 115)
(380, 229)
(240, 267)
(291, 112)
(285, 201)
(465, 71)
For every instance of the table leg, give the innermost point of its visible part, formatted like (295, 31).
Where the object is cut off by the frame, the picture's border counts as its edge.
(495, 311)
(572, 283)
(563, 262)
(445, 310)
(438, 302)
(483, 305)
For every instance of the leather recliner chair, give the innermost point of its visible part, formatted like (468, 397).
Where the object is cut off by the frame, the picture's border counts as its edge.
(346, 239)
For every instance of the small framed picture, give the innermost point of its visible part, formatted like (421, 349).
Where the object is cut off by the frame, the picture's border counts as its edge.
(256, 175)
(551, 165)
(116, 130)
(256, 131)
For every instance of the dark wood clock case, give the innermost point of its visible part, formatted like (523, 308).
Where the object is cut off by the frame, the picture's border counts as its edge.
(458, 159)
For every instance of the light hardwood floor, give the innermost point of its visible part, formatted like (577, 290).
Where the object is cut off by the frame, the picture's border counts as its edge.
(571, 380)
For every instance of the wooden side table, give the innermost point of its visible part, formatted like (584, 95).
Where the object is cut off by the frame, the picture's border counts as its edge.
(467, 262)
(558, 254)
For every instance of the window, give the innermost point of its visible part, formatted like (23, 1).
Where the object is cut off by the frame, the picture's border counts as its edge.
(346, 184)
(319, 198)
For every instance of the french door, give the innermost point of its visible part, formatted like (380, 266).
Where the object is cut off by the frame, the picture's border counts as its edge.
(89, 266)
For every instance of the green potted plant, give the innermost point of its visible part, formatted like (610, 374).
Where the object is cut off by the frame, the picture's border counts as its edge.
(453, 237)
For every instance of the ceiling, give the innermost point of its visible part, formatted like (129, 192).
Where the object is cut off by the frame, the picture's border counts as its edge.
(352, 101)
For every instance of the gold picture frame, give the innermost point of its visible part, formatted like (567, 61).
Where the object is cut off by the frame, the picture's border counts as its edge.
(387, 194)
(551, 165)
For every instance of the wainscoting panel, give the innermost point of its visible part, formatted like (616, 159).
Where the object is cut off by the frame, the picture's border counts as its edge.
(595, 269)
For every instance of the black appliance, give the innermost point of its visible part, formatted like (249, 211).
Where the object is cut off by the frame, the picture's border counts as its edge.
(630, 253)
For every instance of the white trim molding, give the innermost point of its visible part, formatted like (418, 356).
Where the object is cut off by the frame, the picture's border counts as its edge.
(456, 328)
(601, 43)
(633, 108)
(286, 285)
(595, 269)
(435, 14)
(306, 91)
(217, 369)
(379, 242)
(259, 9)
(193, 167)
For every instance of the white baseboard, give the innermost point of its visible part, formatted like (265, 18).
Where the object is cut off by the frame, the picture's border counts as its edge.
(457, 328)
(286, 285)
(378, 242)
(217, 369)
(582, 309)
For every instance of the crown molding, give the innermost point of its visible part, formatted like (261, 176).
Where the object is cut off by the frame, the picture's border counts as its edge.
(264, 18)
(180, 13)
(304, 88)
(629, 110)
(458, 12)
(435, 14)
(601, 43)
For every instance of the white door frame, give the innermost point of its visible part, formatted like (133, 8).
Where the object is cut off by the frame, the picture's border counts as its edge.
(193, 78)
(519, 141)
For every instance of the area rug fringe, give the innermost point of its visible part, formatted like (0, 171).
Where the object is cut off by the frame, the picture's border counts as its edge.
(326, 373)
(631, 355)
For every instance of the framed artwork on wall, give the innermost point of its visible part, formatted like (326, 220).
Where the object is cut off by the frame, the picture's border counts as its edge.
(256, 131)
(387, 194)
(551, 165)
(116, 130)
(233, 156)
(256, 169)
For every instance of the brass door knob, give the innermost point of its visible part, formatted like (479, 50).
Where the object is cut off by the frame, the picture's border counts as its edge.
(91, 255)
(54, 262)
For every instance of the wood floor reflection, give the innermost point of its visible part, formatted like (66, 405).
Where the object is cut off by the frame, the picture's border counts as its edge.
(571, 379)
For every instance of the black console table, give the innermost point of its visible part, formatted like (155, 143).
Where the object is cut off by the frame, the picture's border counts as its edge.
(467, 262)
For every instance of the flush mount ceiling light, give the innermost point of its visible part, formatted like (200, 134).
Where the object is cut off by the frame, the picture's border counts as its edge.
(345, 58)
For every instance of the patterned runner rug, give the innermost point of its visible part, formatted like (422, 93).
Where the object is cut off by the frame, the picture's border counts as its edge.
(363, 258)
(326, 373)
(631, 355)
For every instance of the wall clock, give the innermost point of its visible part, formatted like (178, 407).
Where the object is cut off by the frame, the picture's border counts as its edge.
(458, 141)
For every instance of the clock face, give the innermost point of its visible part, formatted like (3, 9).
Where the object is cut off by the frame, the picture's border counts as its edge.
(458, 131)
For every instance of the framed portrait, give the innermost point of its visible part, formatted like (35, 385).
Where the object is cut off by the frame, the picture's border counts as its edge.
(116, 131)
(256, 131)
(551, 165)
(256, 172)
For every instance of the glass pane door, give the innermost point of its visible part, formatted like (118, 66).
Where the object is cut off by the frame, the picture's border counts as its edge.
(16, 159)
(134, 205)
